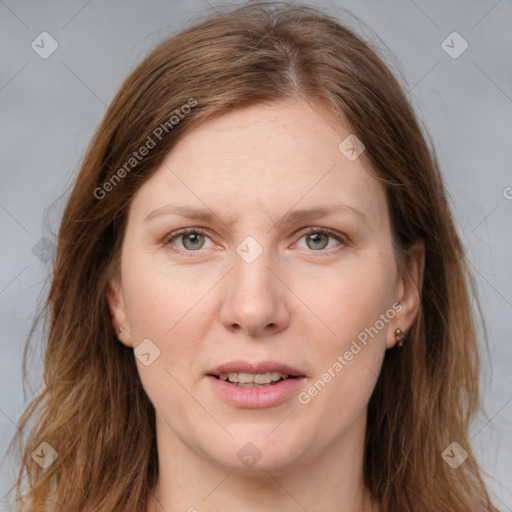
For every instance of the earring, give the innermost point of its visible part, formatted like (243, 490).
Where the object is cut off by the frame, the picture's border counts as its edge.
(399, 337)
(120, 330)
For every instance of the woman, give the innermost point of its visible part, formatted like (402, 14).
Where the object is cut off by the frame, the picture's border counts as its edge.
(259, 299)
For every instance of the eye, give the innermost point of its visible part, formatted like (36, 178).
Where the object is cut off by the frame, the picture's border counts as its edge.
(192, 239)
(317, 239)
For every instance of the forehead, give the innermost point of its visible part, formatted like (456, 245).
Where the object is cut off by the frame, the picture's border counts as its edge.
(264, 158)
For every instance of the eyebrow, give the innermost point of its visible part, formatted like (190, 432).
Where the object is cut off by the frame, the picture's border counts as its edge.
(290, 217)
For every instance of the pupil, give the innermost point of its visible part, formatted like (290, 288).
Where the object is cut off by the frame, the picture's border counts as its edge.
(315, 239)
(192, 238)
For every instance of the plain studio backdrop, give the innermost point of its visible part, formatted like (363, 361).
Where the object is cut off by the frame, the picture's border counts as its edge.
(63, 61)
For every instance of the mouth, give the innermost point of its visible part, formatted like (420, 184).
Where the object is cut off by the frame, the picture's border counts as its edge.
(254, 380)
(249, 374)
(255, 385)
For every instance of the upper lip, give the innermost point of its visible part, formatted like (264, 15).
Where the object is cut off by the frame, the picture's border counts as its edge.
(248, 367)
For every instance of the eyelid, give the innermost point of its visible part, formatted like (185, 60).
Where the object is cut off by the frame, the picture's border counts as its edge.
(319, 229)
(184, 231)
(340, 237)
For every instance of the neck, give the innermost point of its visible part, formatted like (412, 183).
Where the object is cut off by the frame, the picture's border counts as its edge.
(333, 480)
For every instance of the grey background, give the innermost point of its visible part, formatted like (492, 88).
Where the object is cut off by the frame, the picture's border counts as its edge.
(51, 107)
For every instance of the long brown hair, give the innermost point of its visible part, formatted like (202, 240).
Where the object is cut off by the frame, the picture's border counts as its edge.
(93, 410)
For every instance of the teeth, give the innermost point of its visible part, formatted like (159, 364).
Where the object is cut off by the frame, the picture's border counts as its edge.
(262, 378)
(245, 378)
(251, 378)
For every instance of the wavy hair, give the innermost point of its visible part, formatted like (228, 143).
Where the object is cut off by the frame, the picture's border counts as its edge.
(92, 406)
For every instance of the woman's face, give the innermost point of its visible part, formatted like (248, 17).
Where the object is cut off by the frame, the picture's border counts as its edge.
(265, 283)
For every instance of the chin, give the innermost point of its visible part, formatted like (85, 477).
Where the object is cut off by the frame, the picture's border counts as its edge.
(252, 451)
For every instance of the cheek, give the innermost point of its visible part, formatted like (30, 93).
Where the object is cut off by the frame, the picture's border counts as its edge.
(355, 308)
(156, 295)
(351, 298)
(162, 306)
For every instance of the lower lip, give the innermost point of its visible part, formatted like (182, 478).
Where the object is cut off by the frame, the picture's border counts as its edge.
(256, 397)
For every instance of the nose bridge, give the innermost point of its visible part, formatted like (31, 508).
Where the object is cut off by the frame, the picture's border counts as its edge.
(251, 277)
(254, 298)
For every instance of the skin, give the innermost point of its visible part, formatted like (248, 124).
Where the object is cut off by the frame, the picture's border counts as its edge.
(300, 302)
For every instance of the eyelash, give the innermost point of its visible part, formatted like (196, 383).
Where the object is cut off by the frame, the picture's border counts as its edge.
(333, 234)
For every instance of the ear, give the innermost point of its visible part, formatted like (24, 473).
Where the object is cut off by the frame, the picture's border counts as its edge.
(408, 292)
(117, 311)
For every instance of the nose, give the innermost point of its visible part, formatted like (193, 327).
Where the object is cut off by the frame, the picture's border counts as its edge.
(255, 300)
